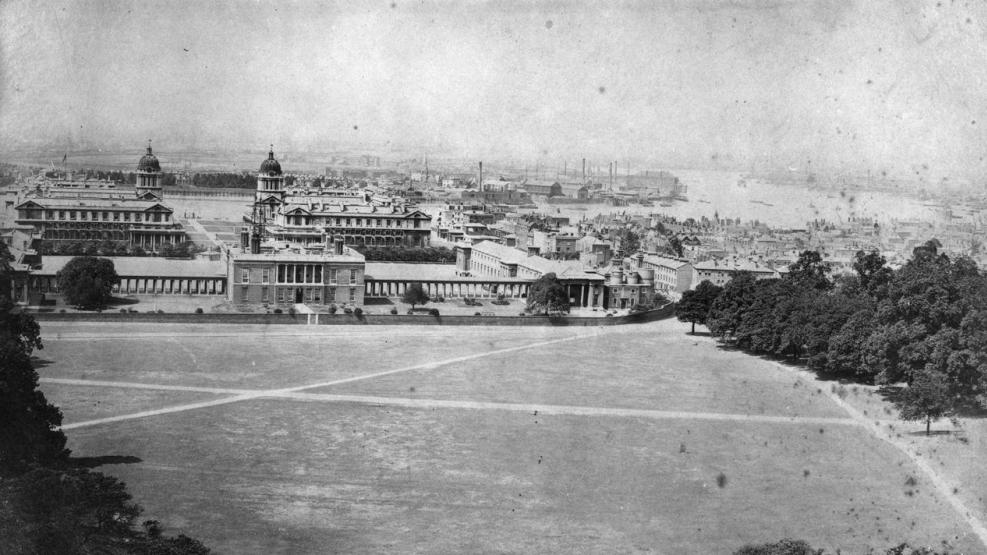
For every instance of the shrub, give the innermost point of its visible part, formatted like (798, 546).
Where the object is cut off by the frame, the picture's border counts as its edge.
(348, 310)
(411, 311)
(433, 311)
(358, 311)
(160, 311)
(277, 311)
(609, 315)
(394, 310)
(477, 314)
(62, 310)
(522, 314)
(198, 310)
(333, 308)
(124, 310)
(291, 310)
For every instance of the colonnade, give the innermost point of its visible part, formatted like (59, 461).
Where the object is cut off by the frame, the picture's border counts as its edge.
(449, 289)
(171, 286)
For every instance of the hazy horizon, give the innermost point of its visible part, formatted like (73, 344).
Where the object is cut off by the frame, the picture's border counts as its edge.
(825, 84)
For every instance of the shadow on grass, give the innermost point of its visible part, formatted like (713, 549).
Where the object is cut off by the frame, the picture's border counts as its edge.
(93, 462)
(118, 301)
(933, 433)
(377, 301)
(40, 362)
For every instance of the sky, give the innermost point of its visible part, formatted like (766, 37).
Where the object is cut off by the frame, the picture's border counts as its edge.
(870, 84)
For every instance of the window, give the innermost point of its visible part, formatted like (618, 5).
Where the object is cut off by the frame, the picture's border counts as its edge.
(332, 275)
(352, 294)
(281, 273)
(106, 216)
(318, 275)
(265, 276)
(245, 275)
(317, 295)
(61, 214)
(244, 297)
(116, 216)
(353, 276)
(50, 215)
(126, 216)
(94, 216)
(72, 215)
(82, 214)
(263, 294)
(331, 294)
(280, 294)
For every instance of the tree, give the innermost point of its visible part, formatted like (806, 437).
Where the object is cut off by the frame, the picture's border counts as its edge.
(414, 294)
(810, 271)
(729, 307)
(87, 282)
(675, 245)
(28, 434)
(873, 272)
(694, 306)
(927, 398)
(547, 295)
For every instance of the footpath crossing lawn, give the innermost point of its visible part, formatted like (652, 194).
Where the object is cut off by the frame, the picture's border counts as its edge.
(393, 466)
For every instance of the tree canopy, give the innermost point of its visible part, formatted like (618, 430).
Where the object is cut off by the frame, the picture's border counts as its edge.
(87, 282)
(414, 295)
(695, 304)
(548, 296)
(924, 324)
(50, 503)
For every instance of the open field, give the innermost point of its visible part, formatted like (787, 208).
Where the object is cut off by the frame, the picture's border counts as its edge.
(299, 439)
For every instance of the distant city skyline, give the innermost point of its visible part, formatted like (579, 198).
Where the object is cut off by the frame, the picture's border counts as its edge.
(840, 85)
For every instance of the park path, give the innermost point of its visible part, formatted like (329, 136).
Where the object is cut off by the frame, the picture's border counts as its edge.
(427, 403)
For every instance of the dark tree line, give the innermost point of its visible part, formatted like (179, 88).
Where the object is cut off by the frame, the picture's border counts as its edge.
(185, 249)
(226, 180)
(51, 503)
(924, 324)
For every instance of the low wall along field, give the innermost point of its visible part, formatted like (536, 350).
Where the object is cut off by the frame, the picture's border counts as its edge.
(342, 319)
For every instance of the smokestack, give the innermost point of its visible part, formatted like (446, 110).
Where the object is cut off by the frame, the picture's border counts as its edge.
(584, 170)
(479, 185)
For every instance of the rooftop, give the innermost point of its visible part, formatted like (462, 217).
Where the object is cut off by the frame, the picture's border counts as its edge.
(128, 266)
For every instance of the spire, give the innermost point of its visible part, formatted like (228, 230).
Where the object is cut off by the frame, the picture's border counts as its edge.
(149, 146)
(270, 154)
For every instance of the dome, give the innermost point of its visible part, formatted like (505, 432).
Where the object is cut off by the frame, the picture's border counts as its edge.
(270, 166)
(148, 162)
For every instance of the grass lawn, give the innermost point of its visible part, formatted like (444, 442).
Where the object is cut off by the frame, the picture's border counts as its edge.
(311, 475)
(275, 476)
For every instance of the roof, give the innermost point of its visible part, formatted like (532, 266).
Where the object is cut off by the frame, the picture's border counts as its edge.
(511, 255)
(148, 162)
(270, 167)
(665, 262)
(383, 271)
(98, 204)
(734, 265)
(134, 266)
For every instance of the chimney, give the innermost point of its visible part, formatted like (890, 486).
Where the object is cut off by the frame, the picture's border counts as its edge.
(480, 183)
(584, 170)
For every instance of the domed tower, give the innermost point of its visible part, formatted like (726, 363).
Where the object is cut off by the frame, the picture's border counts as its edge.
(270, 180)
(149, 175)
